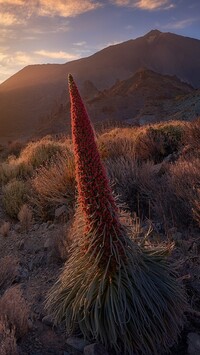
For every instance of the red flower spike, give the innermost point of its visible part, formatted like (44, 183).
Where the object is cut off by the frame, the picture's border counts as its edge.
(95, 196)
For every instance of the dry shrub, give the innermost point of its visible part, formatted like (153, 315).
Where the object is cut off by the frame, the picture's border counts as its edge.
(196, 206)
(115, 147)
(14, 168)
(54, 186)
(109, 125)
(15, 310)
(25, 216)
(177, 195)
(118, 142)
(4, 229)
(158, 141)
(32, 156)
(14, 148)
(134, 183)
(8, 345)
(192, 136)
(185, 178)
(59, 242)
(42, 151)
(15, 194)
(9, 266)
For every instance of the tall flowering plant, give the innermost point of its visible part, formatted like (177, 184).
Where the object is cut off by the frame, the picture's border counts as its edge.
(94, 193)
(115, 291)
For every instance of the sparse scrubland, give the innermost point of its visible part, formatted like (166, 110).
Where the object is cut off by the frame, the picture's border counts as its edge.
(117, 287)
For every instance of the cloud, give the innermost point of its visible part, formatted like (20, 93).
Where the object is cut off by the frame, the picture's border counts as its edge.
(145, 4)
(65, 8)
(129, 27)
(113, 43)
(177, 25)
(11, 62)
(57, 55)
(12, 2)
(17, 59)
(9, 19)
(80, 44)
(50, 8)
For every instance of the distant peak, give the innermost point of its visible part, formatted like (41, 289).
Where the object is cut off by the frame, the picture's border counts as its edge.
(153, 33)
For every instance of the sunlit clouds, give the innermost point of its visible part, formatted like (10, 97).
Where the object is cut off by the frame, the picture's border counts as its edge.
(57, 55)
(146, 4)
(8, 19)
(50, 8)
(180, 24)
(66, 8)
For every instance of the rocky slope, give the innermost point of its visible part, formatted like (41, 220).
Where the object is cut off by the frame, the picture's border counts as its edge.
(145, 97)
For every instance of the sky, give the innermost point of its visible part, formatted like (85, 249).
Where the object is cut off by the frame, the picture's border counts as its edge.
(58, 31)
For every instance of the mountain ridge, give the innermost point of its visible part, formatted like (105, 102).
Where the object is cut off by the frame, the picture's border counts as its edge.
(30, 95)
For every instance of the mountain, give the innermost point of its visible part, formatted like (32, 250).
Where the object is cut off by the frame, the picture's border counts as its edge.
(143, 98)
(31, 95)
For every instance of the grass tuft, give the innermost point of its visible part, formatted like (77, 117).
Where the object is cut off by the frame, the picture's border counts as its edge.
(15, 194)
(54, 186)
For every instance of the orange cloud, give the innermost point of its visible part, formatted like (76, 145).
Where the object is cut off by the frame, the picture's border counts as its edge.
(10, 63)
(12, 2)
(9, 19)
(66, 8)
(57, 55)
(51, 8)
(145, 4)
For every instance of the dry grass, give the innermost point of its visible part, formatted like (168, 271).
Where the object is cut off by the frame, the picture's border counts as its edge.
(59, 242)
(153, 142)
(8, 345)
(176, 198)
(192, 137)
(14, 148)
(54, 186)
(34, 155)
(184, 180)
(14, 168)
(15, 310)
(42, 151)
(9, 266)
(133, 183)
(15, 194)
(158, 141)
(25, 217)
(111, 146)
(4, 229)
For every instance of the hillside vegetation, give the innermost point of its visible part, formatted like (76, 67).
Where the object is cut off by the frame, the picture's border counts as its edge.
(154, 172)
